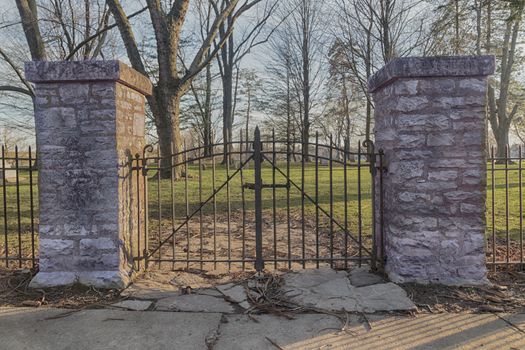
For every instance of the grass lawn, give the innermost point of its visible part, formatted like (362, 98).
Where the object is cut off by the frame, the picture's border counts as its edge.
(197, 190)
(506, 189)
(235, 193)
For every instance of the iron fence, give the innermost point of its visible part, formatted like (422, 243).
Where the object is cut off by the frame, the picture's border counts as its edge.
(315, 209)
(504, 244)
(18, 246)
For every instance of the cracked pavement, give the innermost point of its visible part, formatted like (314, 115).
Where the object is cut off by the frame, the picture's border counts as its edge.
(189, 313)
(56, 329)
(325, 289)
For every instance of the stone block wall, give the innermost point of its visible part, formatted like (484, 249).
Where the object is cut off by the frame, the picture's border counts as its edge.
(430, 122)
(90, 121)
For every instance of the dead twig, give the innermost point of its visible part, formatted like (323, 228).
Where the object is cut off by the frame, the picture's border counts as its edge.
(368, 324)
(65, 314)
(274, 344)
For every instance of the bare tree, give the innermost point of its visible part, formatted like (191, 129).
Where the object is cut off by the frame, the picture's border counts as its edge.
(281, 112)
(345, 102)
(172, 81)
(373, 32)
(500, 114)
(235, 47)
(72, 30)
(452, 28)
(284, 88)
(490, 27)
(202, 92)
(29, 17)
(250, 99)
(303, 39)
(52, 29)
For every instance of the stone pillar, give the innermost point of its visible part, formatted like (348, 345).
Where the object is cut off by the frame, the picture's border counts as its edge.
(90, 120)
(430, 122)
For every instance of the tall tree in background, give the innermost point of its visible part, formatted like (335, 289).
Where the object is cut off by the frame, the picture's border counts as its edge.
(344, 100)
(55, 30)
(282, 112)
(487, 27)
(171, 82)
(302, 38)
(202, 91)
(72, 31)
(236, 44)
(370, 33)
(250, 99)
(456, 28)
(199, 110)
(500, 113)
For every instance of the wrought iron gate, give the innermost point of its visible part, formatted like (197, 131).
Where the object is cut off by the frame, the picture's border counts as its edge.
(260, 204)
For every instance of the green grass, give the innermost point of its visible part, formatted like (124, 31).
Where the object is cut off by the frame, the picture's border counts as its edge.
(506, 190)
(197, 190)
(19, 222)
(204, 189)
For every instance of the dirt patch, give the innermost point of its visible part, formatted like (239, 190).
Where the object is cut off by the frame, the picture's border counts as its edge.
(15, 291)
(507, 295)
(229, 242)
(504, 250)
(155, 283)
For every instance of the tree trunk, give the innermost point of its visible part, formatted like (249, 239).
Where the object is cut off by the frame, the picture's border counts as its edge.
(306, 81)
(247, 127)
(456, 27)
(227, 112)
(502, 141)
(207, 130)
(368, 67)
(28, 14)
(176, 137)
(248, 110)
(166, 114)
(479, 7)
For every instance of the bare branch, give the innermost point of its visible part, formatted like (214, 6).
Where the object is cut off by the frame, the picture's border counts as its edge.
(99, 33)
(10, 62)
(203, 57)
(127, 35)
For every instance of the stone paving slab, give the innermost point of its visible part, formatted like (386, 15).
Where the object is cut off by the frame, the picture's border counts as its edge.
(234, 292)
(208, 291)
(332, 290)
(242, 333)
(325, 288)
(424, 332)
(194, 303)
(518, 320)
(382, 297)
(362, 277)
(150, 291)
(134, 305)
(23, 328)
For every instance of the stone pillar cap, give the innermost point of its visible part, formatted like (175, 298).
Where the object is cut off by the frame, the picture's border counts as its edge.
(437, 66)
(87, 71)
